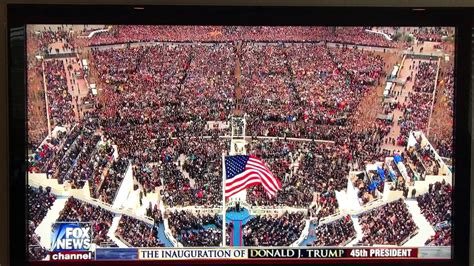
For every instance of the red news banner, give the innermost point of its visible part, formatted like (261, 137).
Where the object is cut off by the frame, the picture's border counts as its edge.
(329, 253)
(381, 253)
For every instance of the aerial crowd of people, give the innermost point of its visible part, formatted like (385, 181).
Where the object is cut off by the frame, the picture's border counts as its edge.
(389, 224)
(39, 202)
(100, 219)
(137, 233)
(335, 233)
(147, 33)
(436, 206)
(273, 230)
(193, 230)
(154, 112)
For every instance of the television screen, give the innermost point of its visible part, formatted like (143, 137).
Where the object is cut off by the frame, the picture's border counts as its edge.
(154, 142)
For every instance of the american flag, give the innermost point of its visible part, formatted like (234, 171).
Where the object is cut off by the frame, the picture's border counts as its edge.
(243, 171)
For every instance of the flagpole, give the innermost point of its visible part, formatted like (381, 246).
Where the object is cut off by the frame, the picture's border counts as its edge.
(224, 225)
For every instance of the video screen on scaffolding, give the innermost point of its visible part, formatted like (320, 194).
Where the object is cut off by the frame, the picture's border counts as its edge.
(233, 142)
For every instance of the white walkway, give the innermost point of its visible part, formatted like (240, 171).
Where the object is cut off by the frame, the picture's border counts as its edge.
(425, 230)
(358, 229)
(150, 197)
(44, 228)
(112, 229)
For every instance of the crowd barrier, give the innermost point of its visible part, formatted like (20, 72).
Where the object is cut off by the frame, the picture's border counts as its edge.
(123, 240)
(372, 205)
(425, 56)
(409, 237)
(279, 211)
(331, 218)
(60, 55)
(169, 235)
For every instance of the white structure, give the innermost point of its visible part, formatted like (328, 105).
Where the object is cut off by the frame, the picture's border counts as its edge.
(237, 147)
(126, 187)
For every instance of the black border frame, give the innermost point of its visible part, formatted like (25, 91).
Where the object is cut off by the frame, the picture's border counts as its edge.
(19, 15)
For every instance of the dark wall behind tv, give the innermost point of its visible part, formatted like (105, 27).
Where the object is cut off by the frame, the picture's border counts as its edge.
(4, 144)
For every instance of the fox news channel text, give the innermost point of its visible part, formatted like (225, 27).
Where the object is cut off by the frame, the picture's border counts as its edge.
(71, 241)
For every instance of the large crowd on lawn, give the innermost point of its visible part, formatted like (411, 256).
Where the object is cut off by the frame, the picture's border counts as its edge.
(147, 33)
(156, 104)
(300, 97)
(200, 161)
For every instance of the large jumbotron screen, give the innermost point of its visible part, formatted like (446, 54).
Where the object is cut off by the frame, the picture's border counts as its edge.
(237, 142)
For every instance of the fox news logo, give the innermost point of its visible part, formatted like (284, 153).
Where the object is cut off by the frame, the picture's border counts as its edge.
(71, 241)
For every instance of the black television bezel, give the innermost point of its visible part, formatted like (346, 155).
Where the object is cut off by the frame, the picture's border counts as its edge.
(20, 15)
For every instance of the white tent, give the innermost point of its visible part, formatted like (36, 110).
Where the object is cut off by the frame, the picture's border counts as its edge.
(394, 71)
(85, 64)
(93, 89)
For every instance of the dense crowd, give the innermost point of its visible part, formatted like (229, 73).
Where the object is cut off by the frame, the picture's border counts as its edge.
(74, 165)
(112, 180)
(147, 175)
(416, 114)
(201, 161)
(442, 237)
(302, 169)
(44, 153)
(79, 211)
(322, 168)
(59, 102)
(135, 33)
(40, 201)
(425, 77)
(273, 230)
(390, 224)
(155, 104)
(436, 205)
(137, 233)
(433, 34)
(448, 88)
(73, 155)
(196, 230)
(298, 97)
(418, 106)
(336, 233)
(101, 159)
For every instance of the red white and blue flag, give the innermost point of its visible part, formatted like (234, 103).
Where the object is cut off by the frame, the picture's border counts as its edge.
(243, 171)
